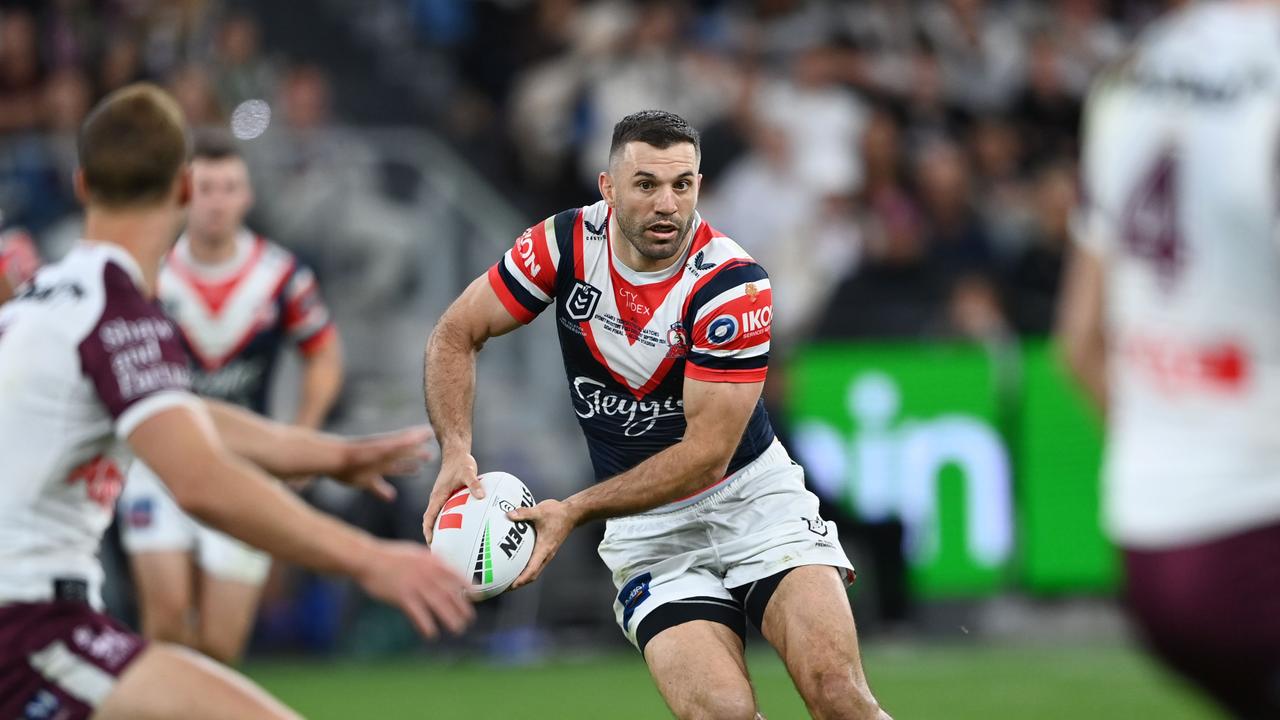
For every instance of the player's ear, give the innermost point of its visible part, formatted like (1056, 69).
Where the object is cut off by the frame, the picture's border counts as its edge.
(81, 189)
(606, 187)
(184, 186)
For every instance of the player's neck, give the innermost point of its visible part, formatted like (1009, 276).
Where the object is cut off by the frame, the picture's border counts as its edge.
(211, 249)
(146, 234)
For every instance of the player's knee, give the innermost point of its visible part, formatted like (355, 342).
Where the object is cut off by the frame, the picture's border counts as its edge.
(167, 620)
(722, 704)
(224, 650)
(836, 694)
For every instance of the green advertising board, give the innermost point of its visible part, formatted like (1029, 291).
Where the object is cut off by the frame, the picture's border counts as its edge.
(990, 461)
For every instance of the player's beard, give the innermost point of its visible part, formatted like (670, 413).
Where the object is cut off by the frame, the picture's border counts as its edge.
(634, 230)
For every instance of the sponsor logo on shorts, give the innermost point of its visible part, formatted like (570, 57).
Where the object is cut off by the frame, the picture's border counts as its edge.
(632, 595)
(141, 513)
(582, 301)
(817, 526)
(109, 647)
(44, 705)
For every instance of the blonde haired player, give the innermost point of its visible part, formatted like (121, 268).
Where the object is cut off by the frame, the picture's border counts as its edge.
(1171, 319)
(92, 373)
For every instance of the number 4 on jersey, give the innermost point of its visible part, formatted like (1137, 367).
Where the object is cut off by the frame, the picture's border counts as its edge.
(1151, 227)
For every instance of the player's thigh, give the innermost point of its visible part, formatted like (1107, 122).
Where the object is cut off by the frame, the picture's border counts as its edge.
(699, 669)
(809, 621)
(168, 682)
(227, 611)
(164, 581)
(232, 574)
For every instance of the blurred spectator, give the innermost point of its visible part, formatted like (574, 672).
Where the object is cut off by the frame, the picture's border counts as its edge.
(1049, 112)
(193, 88)
(20, 72)
(979, 49)
(955, 232)
(1033, 279)
(655, 67)
(66, 100)
(121, 64)
(1000, 188)
(822, 121)
(242, 73)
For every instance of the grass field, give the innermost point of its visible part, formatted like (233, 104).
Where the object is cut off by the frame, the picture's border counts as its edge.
(913, 683)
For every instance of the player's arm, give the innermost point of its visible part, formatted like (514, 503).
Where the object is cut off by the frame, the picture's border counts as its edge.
(449, 380)
(182, 445)
(1080, 328)
(290, 451)
(309, 323)
(322, 373)
(6, 292)
(716, 414)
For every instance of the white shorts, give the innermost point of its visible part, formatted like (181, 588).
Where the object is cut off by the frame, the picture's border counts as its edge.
(151, 521)
(760, 522)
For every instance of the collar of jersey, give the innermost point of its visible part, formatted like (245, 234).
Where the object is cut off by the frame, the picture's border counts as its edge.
(221, 271)
(636, 277)
(119, 256)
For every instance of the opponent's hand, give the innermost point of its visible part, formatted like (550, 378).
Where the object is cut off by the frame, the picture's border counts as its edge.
(408, 576)
(456, 472)
(366, 460)
(553, 520)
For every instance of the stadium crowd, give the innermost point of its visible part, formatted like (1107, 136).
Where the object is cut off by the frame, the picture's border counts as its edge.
(910, 159)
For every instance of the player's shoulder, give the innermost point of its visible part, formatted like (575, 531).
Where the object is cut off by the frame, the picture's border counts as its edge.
(718, 258)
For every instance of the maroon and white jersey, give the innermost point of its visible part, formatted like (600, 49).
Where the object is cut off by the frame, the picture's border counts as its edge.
(629, 339)
(237, 317)
(1180, 170)
(85, 358)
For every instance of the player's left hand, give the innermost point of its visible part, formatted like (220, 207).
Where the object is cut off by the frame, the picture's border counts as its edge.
(366, 460)
(553, 520)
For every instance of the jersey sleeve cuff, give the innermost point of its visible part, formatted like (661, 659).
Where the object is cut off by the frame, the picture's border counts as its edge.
(746, 375)
(513, 306)
(144, 409)
(310, 345)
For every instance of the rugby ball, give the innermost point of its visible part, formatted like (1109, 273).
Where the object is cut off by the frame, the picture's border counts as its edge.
(475, 537)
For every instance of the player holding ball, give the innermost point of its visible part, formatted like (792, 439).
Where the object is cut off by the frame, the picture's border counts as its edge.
(664, 324)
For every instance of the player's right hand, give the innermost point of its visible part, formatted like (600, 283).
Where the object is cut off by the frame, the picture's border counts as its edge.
(408, 576)
(456, 472)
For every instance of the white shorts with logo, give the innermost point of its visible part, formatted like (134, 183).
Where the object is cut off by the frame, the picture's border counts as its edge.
(151, 521)
(757, 523)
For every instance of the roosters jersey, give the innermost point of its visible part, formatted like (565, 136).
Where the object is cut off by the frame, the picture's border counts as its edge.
(84, 359)
(629, 339)
(1181, 177)
(236, 317)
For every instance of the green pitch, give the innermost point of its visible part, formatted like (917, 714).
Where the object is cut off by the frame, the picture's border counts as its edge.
(914, 683)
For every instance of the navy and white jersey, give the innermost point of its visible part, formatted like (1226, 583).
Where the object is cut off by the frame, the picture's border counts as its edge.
(85, 358)
(236, 317)
(629, 339)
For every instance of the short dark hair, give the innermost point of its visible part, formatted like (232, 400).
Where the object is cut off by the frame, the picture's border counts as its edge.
(214, 144)
(658, 128)
(132, 146)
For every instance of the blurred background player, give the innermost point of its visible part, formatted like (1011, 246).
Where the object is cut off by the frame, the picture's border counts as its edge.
(238, 299)
(1171, 321)
(664, 326)
(94, 372)
(18, 259)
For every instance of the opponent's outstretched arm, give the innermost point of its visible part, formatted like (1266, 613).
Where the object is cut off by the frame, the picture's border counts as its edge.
(290, 450)
(449, 384)
(182, 446)
(716, 414)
